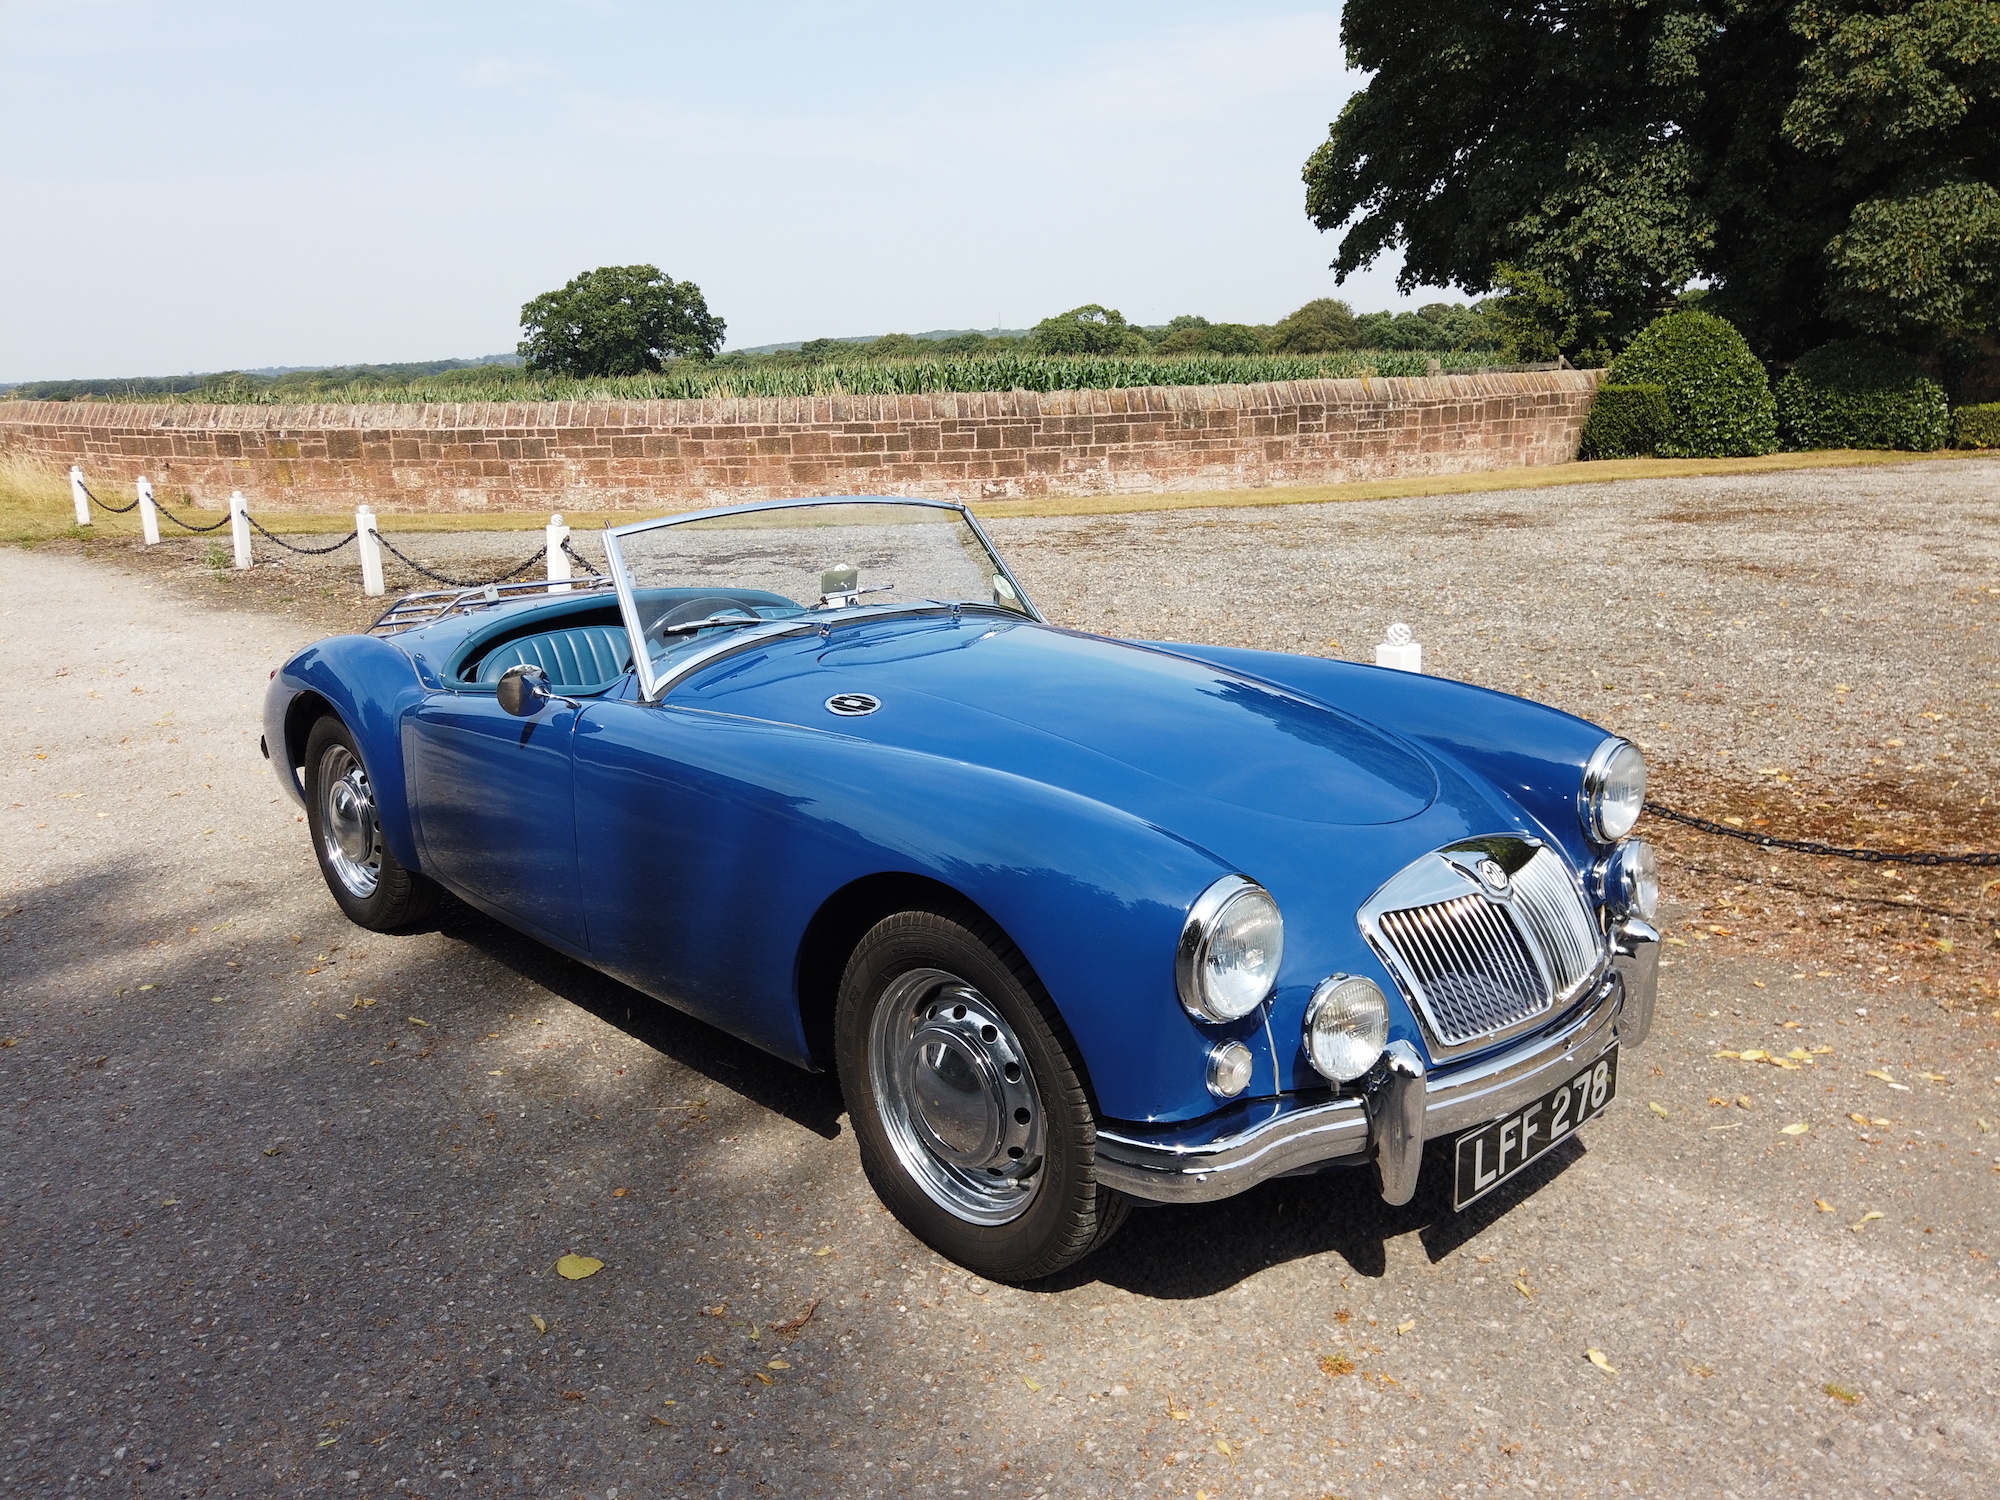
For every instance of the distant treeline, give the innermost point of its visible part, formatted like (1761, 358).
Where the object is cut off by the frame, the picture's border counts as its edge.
(1090, 347)
(239, 385)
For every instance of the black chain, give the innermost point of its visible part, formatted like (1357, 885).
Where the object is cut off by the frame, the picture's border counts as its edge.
(577, 557)
(116, 510)
(303, 551)
(460, 583)
(189, 525)
(1813, 846)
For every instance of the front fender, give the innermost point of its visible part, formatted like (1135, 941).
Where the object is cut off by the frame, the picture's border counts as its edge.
(1531, 754)
(370, 684)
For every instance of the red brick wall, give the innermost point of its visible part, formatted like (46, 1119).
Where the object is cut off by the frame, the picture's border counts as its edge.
(605, 455)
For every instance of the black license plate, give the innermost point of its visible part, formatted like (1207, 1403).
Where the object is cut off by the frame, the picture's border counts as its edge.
(1491, 1154)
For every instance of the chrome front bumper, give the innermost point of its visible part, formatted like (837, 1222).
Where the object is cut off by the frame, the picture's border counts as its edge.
(1206, 1160)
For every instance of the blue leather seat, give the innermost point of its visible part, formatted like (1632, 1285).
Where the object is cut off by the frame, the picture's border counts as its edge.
(582, 658)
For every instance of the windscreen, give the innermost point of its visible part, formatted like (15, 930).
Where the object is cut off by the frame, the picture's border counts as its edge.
(687, 582)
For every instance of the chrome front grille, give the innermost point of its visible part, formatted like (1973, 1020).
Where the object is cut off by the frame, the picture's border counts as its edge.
(1478, 958)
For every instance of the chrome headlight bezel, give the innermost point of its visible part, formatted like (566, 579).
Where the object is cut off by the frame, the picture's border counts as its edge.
(1611, 766)
(1629, 880)
(1354, 1009)
(1233, 897)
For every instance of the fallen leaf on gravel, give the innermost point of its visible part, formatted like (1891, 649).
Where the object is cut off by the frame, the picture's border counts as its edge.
(1857, 1119)
(1823, 1206)
(576, 1267)
(1799, 1054)
(705, 1358)
(1658, 1108)
(792, 1325)
(763, 1377)
(776, 1364)
(1935, 1077)
(1841, 1393)
(1871, 1214)
(1596, 1357)
(540, 1326)
(824, 1250)
(1031, 1385)
(661, 1420)
(1797, 1127)
(364, 1004)
(168, 1202)
(1174, 1411)
(1406, 1325)
(1524, 1289)
(274, 1151)
(416, 1020)
(1878, 1073)
(1881, 1122)
(1335, 1364)
(619, 1192)
(1222, 1447)
(574, 1396)
(1984, 1128)
(1943, 945)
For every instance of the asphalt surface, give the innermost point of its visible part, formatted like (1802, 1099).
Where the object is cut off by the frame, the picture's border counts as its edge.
(282, 1201)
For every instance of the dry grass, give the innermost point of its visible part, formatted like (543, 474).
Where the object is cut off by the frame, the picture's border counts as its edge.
(35, 503)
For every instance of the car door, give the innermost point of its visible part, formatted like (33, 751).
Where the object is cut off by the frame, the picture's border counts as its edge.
(495, 802)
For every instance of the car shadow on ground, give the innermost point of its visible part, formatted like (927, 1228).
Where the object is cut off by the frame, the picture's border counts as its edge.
(1177, 1253)
(811, 1100)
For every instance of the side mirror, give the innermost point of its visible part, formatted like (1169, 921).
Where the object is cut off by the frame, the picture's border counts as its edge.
(524, 690)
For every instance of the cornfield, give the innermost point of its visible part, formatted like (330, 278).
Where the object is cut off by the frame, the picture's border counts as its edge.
(886, 377)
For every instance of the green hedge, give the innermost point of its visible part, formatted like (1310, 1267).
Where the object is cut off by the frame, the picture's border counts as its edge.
(1718, 396)
(1976, 426)
(1855, 393)
(1626, 421)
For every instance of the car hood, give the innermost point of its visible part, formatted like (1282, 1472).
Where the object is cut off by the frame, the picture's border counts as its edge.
(1133, 726)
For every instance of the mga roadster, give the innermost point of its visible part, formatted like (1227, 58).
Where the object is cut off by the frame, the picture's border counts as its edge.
(1080, 922)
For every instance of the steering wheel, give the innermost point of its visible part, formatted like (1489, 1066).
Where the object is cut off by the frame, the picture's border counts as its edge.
(696, 609)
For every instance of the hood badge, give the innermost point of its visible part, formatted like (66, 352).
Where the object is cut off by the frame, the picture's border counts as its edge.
(1493, 877)
(855, 705)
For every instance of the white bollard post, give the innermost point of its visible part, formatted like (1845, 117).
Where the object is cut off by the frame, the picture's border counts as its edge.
(149, 513)
(77, 494)
(559, 574)
(239, 527)
(371, 551)
(1399, 651)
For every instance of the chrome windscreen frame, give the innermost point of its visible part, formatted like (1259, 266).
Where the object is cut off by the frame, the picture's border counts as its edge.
(653, 684)
(1451, 872)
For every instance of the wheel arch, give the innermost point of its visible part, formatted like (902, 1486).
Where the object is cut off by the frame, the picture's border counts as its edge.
(846, 916)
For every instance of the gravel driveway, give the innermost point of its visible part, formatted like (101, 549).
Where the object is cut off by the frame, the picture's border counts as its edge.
(282, 1199)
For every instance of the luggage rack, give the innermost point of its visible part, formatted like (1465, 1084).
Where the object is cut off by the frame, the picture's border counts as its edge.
(430, 606)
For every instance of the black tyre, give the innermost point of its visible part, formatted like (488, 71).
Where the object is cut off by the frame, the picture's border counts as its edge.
(372, 888)
(971, 1116)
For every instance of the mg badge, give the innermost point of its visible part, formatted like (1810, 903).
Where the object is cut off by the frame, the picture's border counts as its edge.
(854, 705)
(1493, 877)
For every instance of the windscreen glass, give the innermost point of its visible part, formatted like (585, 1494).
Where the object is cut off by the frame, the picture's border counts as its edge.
(691, 581)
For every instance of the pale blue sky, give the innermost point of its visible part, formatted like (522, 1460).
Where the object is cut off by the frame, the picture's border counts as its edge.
(204, 186)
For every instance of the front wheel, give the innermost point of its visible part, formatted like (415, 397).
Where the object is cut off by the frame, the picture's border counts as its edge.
(372, 887)
(972, 1121)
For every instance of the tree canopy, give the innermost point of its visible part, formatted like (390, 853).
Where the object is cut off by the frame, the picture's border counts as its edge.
(1089, 329)
(1820, 163)
(618, 320)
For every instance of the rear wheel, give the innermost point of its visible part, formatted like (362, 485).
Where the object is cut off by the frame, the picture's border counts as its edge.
(968, 1108)
(371, 886)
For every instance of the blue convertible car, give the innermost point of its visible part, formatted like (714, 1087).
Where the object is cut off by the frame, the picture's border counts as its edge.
(1078, 921)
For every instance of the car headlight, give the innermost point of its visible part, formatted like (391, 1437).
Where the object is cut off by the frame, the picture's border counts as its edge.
(1230, 950)
(1347, 1026)
(1614, 791)
(1631, 879)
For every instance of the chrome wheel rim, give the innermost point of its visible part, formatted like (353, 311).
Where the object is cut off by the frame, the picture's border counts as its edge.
(957, 1096)
(350, 835)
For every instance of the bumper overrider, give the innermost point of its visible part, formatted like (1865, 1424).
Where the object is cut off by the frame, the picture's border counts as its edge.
(1389, 1123)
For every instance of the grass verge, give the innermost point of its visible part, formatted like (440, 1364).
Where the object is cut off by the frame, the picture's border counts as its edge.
(35, 503)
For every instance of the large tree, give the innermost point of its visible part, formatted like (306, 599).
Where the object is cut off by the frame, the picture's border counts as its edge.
(1821, 164)
(618, 320)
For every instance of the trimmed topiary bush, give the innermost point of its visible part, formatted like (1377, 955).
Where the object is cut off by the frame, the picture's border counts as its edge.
(1976, 426)
(1856, 393)
(1626, 421)
(1718, 396)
